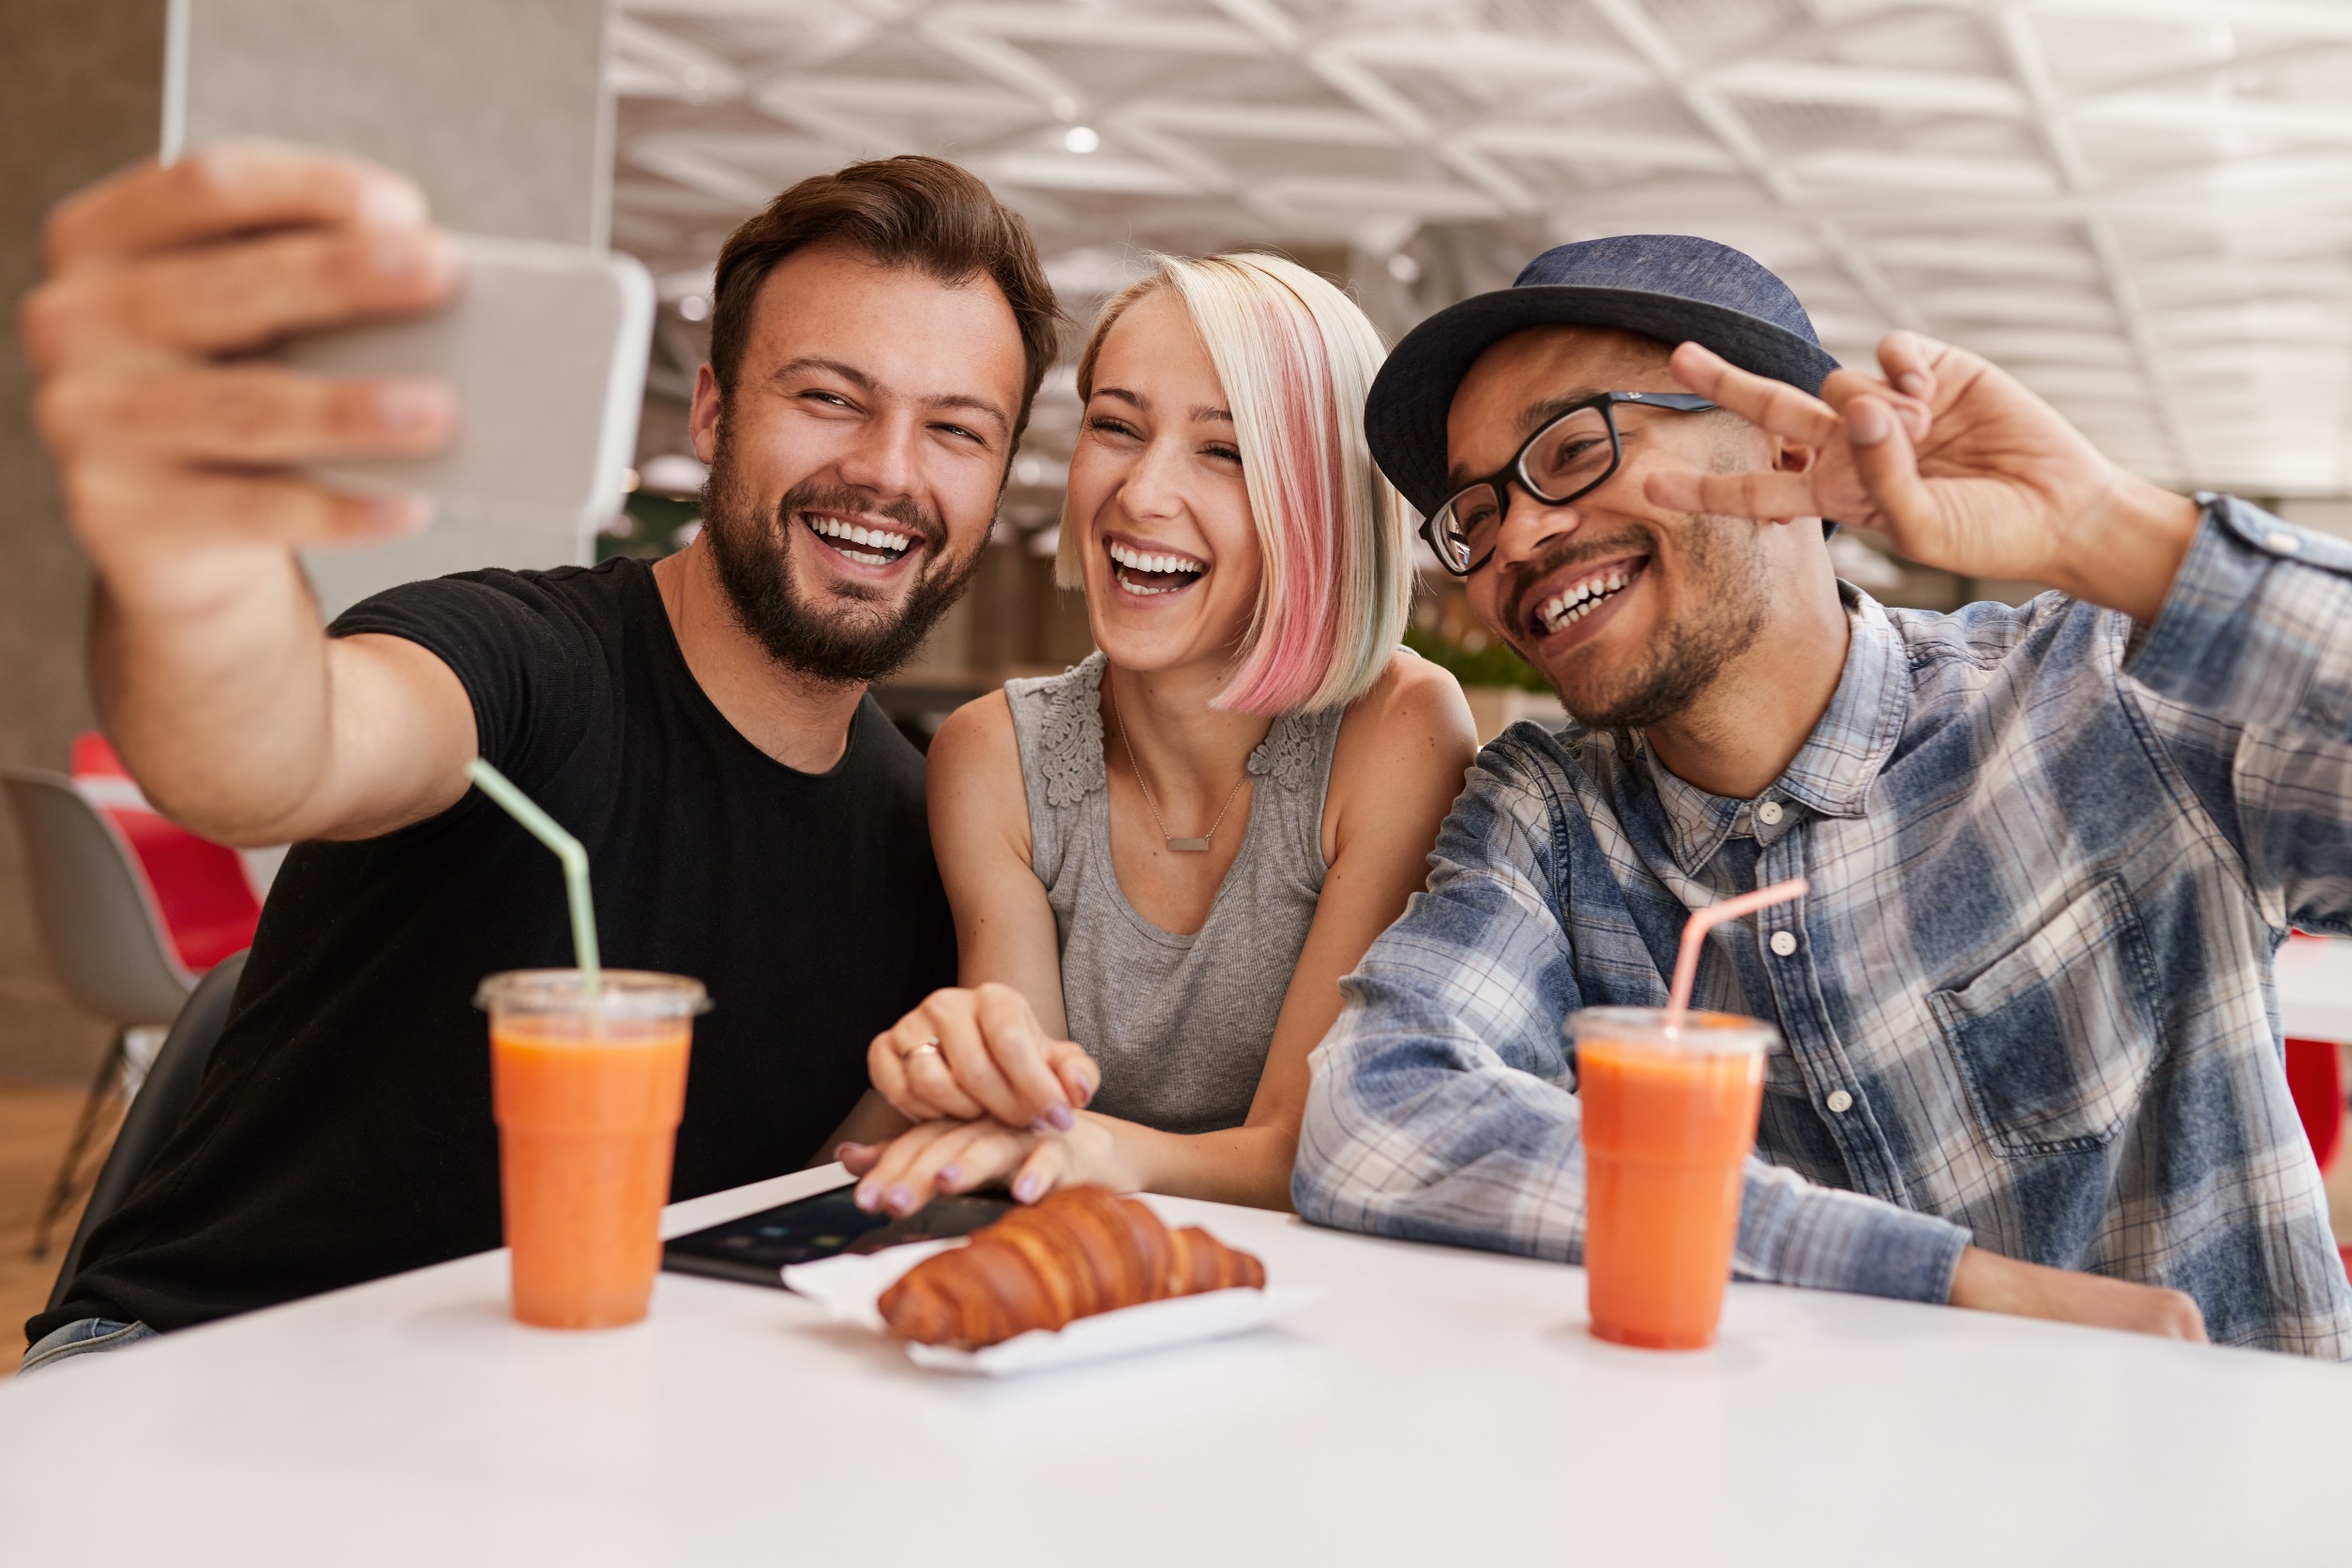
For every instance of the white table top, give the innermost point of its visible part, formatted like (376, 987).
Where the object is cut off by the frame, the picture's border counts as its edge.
(2314, 979)
(1436, 1407)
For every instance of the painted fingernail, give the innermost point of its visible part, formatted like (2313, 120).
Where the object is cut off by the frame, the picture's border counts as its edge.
(397, 514)
(902, 1199)
(1085, 1096)
(391, 205)
(848, 1150)
(411, 404)
(398, 258)
(866, 1199)
(1061, 1119)
(1866, 422)
(948, 1175)
(1025, 1190)
(1041, 1125)
(1919, 384)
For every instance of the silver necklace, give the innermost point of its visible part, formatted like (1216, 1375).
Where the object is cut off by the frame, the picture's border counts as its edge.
(1183, 846)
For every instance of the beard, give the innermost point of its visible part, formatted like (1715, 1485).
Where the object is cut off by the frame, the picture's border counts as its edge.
(1721, 564)
(860, 641)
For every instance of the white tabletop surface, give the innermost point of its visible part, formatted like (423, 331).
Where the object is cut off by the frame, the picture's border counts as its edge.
(1437, 1407)
(2315, 978)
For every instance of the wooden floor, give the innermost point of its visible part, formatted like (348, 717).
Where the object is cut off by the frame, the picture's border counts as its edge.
(36, 1122)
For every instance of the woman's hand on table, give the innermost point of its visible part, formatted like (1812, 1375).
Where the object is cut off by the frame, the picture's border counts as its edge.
(951, 1155)
(1989, 1282)
(966, 1053)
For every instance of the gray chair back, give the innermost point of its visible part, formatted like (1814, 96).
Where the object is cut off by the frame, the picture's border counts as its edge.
(94, 913)
(158, 1108)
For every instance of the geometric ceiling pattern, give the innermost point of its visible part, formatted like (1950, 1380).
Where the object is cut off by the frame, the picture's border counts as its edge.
(2143, 209)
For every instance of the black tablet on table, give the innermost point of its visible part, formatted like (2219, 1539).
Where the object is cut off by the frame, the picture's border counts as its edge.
(755, 1248)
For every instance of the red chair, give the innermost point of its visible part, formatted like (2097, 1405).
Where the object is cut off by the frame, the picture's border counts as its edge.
(2315, 1075)
(200, 891)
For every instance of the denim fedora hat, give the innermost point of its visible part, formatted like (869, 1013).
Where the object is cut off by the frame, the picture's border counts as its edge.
(1676, 288)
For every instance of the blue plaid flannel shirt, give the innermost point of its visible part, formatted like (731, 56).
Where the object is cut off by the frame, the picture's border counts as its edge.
(2028, 1003)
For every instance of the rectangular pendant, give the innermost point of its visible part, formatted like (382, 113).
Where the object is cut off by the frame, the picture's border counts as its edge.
(1189, 846)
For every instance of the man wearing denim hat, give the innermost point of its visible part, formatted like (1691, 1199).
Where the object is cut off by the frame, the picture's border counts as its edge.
(2031, 1063)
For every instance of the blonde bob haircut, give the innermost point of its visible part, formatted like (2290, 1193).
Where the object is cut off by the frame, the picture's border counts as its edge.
(1295, 359)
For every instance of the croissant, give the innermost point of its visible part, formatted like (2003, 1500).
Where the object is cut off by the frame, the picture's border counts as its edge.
(1074, 1253)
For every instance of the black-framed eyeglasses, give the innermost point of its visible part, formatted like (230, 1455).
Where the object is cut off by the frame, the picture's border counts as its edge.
(1573, 455)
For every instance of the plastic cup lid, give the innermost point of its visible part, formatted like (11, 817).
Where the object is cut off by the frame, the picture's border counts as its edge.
(625, 993)
(1699, 1034)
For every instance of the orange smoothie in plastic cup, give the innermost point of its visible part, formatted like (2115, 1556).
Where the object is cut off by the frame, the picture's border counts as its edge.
(1668, 1119)
(588, 1099)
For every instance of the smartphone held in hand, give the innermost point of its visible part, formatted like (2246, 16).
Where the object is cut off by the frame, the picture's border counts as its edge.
(544, 347)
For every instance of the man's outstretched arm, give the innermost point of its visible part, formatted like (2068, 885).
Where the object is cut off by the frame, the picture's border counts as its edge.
(237, 712)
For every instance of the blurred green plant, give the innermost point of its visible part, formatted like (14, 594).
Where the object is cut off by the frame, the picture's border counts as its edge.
(1494, 665)
(654, 521)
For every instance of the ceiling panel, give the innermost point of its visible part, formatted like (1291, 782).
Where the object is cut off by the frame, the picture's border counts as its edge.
(2145, 206)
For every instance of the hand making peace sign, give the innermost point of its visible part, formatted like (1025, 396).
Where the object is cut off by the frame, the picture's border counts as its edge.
(2000, 485)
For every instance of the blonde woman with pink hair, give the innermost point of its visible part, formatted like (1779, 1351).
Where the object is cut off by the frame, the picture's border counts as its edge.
(1163, 861)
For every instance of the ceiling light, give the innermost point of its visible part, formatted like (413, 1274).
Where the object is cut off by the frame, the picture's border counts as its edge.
(1081, 139)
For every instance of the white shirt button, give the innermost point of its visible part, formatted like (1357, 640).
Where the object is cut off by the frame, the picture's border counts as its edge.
(1840, 1102)
(2283, 541)
(1769, 813)
(1784, 942)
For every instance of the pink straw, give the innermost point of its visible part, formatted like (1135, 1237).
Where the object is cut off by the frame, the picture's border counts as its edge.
(1703, 921)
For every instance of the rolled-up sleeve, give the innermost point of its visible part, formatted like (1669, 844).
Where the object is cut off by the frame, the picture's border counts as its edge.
(2258, 629)
(1442, 1108)
(2256, 637)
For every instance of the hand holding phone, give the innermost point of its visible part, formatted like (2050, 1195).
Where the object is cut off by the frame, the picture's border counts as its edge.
(174, 444)
(261, 345)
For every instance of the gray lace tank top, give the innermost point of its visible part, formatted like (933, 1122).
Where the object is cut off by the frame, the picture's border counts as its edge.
(1179, 1024)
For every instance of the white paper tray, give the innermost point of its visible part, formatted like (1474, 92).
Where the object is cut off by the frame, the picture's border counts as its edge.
(849, 1289)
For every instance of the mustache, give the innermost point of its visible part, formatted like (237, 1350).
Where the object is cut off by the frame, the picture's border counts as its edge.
(1523, 578)
(813, 496)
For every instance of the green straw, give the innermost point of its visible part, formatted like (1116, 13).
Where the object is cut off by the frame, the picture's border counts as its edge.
(543, 827)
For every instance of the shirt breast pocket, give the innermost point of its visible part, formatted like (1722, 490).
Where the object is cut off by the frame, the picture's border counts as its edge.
(2055, 1039)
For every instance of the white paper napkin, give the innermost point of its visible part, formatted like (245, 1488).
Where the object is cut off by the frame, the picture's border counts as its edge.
(849, 1287)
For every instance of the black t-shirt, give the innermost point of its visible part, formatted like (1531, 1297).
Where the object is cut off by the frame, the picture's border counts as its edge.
(343, 1131)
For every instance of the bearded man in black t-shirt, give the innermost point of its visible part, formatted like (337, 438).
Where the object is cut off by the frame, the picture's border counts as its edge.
(701, 724)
